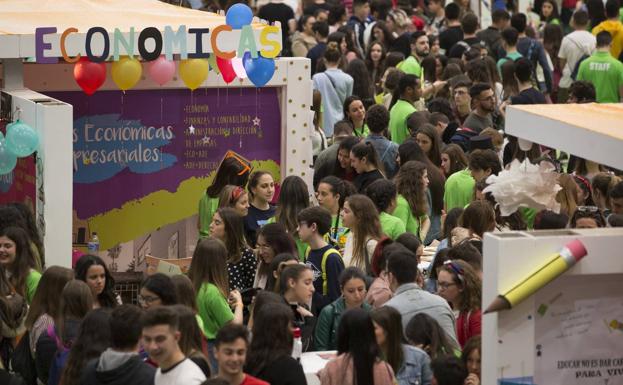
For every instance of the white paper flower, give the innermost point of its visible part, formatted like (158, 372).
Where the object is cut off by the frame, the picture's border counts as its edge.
(525, 185)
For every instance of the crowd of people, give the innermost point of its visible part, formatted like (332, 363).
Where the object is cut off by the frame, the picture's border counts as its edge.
(409, 102)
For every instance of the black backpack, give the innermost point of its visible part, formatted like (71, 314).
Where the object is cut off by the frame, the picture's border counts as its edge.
(22, 362)
(576, 69)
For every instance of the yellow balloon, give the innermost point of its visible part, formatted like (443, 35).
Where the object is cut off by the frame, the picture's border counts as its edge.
(126, 72)
(194, 72)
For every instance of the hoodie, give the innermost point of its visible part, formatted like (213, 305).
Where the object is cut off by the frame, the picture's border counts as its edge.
(615, 28)
(118, 368)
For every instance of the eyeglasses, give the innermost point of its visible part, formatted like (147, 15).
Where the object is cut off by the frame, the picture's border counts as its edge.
(445, 285)
(147, 300)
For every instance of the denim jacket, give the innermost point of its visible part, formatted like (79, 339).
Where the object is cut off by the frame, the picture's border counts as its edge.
(387, 151)
(415, 369)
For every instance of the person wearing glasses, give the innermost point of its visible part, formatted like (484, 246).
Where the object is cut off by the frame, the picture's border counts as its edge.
(460, 285)
(157, 290)
(587, 217)
(483, 102)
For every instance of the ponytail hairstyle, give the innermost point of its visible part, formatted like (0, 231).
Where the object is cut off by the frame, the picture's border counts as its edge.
(332, 54)
(344, 189)
(367, 150)
(410, 185)
(293, 197)
(368, 227)
(292, 272)
(277, 265)
(231, 171)
(406, 81)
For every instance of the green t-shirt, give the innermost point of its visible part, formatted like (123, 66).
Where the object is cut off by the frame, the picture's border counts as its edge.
(207, 208)
(361, 132)
(398, 120)
(528, 214)
(606, 74)
(410, 66)
(393, 227)
(213, 309)
(32, 281)
(404, 213)
(459, 190)
(513, 56)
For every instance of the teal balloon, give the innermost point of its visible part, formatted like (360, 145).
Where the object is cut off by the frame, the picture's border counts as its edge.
(21, 139)
(259, 70)
(238, 15)
(8, 159)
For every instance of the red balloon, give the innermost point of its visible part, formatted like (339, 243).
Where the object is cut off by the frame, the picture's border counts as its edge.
(227, 69)
(89, 76)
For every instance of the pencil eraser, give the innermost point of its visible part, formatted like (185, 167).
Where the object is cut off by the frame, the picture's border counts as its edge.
(577, 249)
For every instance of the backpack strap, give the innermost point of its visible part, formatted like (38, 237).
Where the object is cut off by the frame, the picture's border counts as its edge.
(323, 267)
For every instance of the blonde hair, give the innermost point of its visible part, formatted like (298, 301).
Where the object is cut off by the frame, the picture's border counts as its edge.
(568, 195)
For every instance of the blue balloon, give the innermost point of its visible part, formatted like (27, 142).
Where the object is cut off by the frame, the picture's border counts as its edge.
(21, 139)
(259, 70)
(239, 15)
(8, 160)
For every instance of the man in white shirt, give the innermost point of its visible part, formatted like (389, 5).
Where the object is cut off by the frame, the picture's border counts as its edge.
(578, 43)
(160, 339)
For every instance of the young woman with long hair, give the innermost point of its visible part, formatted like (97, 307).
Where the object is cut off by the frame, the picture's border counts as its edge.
(510, 86)
(362, 218)
(365, 161)
(471, 354)
(93, 338)
(232, 171)
(296, 286)
(235, 197)
(277, 265)
(43, 313)
(381, 35)
(375, 62)
(362, 82)
(358, 361)
(293, 197)
(343, 167)
(549, 14)
(602, 185)
(383, 194)
(270, 352)
(30, 225)
(410, 150)
(272, 239)
(92, 270)
(76, 302)
(18, 262)
(190, 341)
(261, 189)
(411, 364)
(428, 139)
(460, 285)
(453, 159)
(331, 194)
(353, 287)
(227, 225)
(355, 113)
(412, 206)
(479, 218)
(424, 332)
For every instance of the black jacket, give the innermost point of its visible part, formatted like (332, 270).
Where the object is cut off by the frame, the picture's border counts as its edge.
(134, 371)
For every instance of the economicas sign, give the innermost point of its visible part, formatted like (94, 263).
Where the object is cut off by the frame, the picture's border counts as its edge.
(152, 43)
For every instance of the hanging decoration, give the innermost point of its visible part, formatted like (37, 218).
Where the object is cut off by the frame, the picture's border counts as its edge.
(89, 76)
(194, 72)
(227, 69)
(161, 70)
(8, 159)
(239, 68)
(21, 139)
(126, 72)
(259, 70)
(239, 15)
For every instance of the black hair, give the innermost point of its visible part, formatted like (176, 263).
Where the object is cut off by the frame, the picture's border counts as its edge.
(318, 215)
(467, 252)
(355, 337)
(162, 286)
(161, 315)
(519, 22)
(230, 333)
(275, 264)
(410, 241)
(485, 159)
(604, 39)
(416, 35)
(367, 150)
(108, 297)
(583, 91)
(344, 189)
(362, 82)
(276, 235)
(617, 191)
(293, 197)
(11, 216)
(272, 338)
(30, 225)
(292, 272)
(476, 89)
(229, 172)
(449, 370)
(580, 18)
(452, 221)
(424, 330)
(125, 326)
(406, 81)
(392, 60)
(321, 28)
(403, 267)
(349, 273)
(510, 36)
(469, 23)
(254, 180)
(381, 192)
(615, 220)
(440, 106)
(523, 70)
(596, 215)
(499, 15)
(549, 220)
(554, 14)
(336, 12)
(612, 9)
(452, 11)
(377, 118)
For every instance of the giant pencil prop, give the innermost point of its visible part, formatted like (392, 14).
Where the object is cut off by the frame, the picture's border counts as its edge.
(571, 253)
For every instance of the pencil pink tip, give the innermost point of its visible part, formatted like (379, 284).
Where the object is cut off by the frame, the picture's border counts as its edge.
(577, 249)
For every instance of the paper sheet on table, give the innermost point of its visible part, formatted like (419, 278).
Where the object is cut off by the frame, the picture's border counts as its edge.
(579, 331)
(312, 361)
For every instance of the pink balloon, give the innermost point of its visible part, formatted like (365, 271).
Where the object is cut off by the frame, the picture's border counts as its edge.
(239, 68)
(161, 70)
(226, 68)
